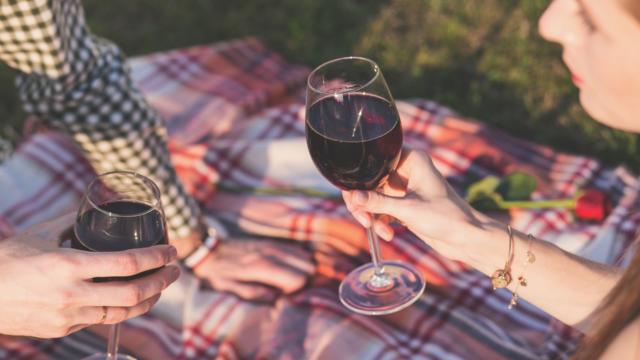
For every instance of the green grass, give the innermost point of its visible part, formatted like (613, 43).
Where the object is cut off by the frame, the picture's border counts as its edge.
(484, 59)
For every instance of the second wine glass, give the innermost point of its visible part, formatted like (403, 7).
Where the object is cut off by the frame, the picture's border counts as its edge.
(354, 137)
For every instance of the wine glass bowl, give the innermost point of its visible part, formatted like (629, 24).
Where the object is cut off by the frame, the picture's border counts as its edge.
(354, 137)
(120, 210)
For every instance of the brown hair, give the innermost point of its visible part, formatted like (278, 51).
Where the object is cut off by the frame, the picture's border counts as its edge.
(620, 308)
(633, 6)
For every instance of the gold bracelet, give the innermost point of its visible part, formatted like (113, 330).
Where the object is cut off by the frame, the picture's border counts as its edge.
(522, 281)
(501, 278)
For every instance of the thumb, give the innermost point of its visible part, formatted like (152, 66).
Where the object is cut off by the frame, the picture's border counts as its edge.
(377, 203)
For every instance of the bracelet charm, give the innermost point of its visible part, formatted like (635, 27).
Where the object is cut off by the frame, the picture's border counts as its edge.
(501, 278)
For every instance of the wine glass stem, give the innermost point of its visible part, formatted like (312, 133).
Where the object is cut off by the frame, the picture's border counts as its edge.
(379, 278)
(114, 338)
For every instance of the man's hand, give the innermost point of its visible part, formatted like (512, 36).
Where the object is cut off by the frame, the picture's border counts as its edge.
(47, 291)
(256, 269)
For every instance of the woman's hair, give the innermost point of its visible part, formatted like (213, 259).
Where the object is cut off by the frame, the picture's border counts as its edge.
(619, 309)
(622, 305)
(633, 6)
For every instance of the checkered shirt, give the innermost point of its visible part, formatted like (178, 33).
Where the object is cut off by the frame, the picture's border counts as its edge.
(78, 83)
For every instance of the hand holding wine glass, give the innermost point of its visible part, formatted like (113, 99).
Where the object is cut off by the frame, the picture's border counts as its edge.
(417, 191)
(121, 210)
(354, 137)
(47, 291)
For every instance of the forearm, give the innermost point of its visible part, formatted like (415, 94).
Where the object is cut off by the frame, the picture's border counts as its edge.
(562, 284)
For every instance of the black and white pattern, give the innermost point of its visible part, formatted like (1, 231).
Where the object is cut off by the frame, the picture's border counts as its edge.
(79, 83)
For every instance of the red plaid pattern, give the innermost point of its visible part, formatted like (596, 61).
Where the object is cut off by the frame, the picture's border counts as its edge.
(235, 116)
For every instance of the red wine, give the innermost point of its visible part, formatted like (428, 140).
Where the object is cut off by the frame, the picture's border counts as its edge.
(354, 139)
(119, 225)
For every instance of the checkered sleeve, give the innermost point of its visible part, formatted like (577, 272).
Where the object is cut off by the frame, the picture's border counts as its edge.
(79, 83)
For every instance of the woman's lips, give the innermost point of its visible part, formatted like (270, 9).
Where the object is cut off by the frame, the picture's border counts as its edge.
(576, 80)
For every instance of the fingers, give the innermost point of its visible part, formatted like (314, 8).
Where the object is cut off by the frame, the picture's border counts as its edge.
(295, 257)
(383, 230)
(119, 314)
(132, 292)
(121, 263)
(361, 216)
(274, 271)
(365, 219)
(282, 266)
(373, 202)
(247, 291)
(91, 315)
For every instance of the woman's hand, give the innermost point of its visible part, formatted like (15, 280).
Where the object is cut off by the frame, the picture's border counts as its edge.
(257, 269)
(418, 196)
(47, 291)
(562, 284)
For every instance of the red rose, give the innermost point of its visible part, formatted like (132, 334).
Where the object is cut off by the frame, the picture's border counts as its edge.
(593, 205)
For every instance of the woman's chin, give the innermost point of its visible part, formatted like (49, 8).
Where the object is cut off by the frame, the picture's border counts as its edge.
(605, 115)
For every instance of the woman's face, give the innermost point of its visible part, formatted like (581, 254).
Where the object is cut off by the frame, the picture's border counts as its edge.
(601, 43)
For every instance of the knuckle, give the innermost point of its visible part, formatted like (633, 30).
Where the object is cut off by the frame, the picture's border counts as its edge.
(161, 284)
(158, 259)
(65, 298)
(132, 295)
(129, 263)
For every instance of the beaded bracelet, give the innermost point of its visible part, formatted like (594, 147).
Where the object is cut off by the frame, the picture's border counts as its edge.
(501, 278)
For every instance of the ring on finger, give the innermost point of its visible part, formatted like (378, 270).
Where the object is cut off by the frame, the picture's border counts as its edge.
(104, 315)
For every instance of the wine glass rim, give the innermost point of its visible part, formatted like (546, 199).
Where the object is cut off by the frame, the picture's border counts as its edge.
(153, 186)
(375, 66)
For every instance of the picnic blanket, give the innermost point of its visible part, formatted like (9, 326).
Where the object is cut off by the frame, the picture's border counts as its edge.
(235, 116)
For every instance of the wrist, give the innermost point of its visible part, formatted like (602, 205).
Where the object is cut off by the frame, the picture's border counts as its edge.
(200, 254)
(188, 244)
(214, 232)
(486, 246)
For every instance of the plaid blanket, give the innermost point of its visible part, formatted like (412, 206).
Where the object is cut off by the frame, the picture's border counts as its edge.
(234, 112)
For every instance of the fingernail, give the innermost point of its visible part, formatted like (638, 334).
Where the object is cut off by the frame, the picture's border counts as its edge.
(359, 197)
(173, 254)
(175, 272)
(362, 218)
(386, 234)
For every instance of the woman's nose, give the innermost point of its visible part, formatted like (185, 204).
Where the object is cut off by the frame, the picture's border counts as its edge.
(555, 23)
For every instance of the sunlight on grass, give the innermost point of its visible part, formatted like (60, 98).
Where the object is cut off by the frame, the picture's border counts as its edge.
(486, 62)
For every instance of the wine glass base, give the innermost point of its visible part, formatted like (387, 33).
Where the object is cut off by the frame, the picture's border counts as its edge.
(399, 286)
(103, 356)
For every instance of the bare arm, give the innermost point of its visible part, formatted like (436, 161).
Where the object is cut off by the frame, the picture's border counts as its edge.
(560, 283)
(564, 285)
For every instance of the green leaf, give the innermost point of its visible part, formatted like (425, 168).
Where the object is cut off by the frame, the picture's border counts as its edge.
(517, 186)
(482, 194)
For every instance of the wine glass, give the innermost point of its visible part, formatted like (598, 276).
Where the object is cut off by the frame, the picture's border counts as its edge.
(120, 210)
(354, 136)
